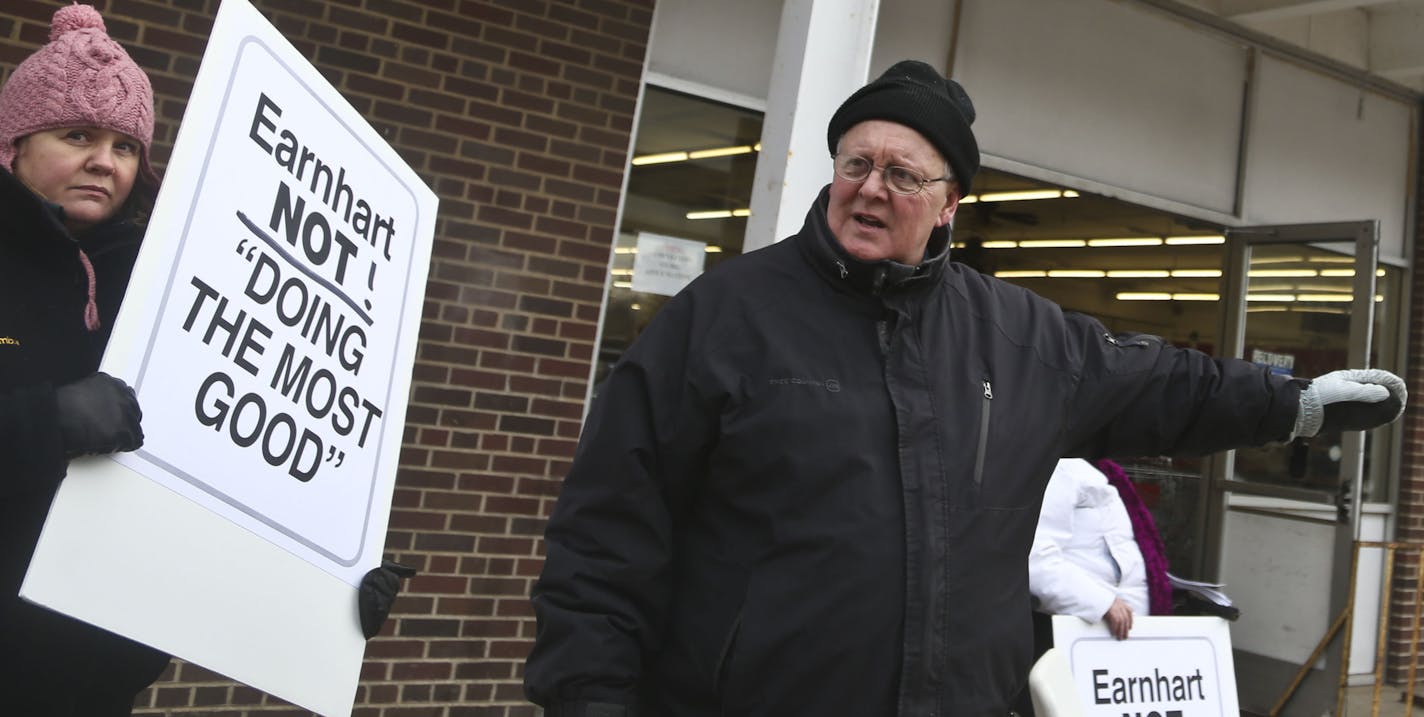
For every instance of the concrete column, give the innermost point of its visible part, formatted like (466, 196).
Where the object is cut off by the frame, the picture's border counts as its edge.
(822, 55)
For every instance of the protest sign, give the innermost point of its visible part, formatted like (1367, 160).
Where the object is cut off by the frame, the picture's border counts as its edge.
(1168, 667)
(269, 331)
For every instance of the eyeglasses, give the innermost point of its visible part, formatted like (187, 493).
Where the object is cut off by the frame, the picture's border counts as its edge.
(854, 168)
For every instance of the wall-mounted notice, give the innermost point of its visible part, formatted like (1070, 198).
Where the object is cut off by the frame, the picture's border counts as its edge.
(664, 264)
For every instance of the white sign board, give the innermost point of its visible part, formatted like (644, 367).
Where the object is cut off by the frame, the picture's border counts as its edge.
(663, 264)
(1167, 667)
(269, 331)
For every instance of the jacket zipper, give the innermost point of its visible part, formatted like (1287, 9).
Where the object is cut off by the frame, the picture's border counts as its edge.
(983, 434)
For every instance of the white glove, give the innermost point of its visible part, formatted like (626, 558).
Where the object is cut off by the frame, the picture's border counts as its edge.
(1349, 400)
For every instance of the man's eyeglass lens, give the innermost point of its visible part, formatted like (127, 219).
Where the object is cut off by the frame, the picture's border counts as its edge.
(898, 179)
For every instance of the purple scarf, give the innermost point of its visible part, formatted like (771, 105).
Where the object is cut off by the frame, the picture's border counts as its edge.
(1149, 541)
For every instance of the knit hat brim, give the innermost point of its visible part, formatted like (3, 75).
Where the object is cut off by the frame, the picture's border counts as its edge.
(914, 94)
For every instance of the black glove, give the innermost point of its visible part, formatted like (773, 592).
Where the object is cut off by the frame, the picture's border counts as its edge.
(1349, 400)
(379, 587)
(98, 414)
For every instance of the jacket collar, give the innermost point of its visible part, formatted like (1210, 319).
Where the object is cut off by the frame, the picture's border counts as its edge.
(876, 278)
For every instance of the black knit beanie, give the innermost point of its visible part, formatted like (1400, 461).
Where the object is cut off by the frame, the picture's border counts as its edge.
(914, 94)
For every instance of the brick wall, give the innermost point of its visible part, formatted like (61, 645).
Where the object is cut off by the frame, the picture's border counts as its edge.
(1410, 520)
(518, 114)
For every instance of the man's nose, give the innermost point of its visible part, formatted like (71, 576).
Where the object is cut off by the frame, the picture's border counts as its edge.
(874, 183)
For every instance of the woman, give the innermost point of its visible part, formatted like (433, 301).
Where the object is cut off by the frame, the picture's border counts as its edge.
(1096, 552)
(76, 124)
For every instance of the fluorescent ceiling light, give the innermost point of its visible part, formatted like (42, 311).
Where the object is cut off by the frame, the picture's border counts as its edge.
(659, 158)
(1295, 273)
(1319, 298)
(714, 249)
(1337, 272)
(1116, 273)
(1138, 274)
(1126, 241)
(1196, 297)
(622, 284)
(1026, 195)
(1075, 274)
(711, 214)
(1270, 297)
(625, 250)
(683, 156)
(719, 214)
(719, 152)
(1052, 243)
(1000, 244)
(1193, 240)
(1143, 296)
(1266, 309)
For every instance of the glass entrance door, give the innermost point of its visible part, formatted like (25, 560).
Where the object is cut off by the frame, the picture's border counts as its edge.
(1282, 519)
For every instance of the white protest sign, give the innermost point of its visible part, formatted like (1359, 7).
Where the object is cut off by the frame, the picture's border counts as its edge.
(1167, 667)
(269, 331)
(663, 264)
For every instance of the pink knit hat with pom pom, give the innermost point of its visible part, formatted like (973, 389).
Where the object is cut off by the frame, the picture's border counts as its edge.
(81, 78)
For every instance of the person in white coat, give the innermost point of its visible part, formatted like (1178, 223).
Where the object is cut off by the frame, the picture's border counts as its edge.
(1085, 559)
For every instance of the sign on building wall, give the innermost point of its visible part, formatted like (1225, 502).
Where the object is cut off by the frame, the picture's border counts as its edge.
(664, 264)
(1168, 667)
(269, 332)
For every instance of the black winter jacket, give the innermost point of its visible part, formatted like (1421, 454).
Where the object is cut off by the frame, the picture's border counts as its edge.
(811, 485)
(51, 664)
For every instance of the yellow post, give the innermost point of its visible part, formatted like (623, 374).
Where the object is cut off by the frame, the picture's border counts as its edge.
(1347, 614)
(1382, 634)
(1414, 633)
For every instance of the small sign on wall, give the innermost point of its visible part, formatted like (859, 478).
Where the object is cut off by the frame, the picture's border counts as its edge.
(1279, 363)
(1168, 667)
(664, 264)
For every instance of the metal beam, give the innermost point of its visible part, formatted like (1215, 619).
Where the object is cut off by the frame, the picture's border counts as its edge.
(1257, 10)
(1354, 75)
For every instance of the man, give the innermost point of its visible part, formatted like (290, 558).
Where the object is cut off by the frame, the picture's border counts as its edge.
(810, 486)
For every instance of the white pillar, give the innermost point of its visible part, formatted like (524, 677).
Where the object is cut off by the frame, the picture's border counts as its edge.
(822, 56)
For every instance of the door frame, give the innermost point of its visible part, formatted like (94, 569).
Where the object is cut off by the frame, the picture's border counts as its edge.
(1219, 483)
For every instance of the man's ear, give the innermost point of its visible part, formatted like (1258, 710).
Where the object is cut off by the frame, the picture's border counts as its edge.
(951, 204)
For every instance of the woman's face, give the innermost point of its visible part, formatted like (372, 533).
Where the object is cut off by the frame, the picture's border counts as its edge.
(87, 170)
